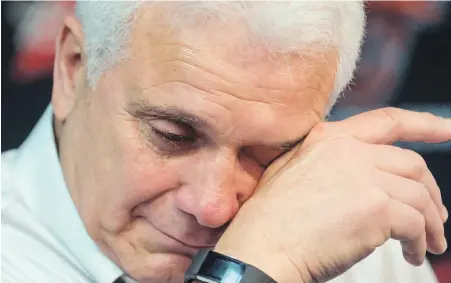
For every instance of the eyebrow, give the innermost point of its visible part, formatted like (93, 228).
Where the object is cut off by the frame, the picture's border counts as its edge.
(143, 111)
(179, 116)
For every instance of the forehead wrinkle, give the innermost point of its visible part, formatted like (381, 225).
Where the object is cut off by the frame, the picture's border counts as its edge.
(183, 60)
(222, 71)
(185, 73)
(207, 87)
(204, 88)
(219, 78)
(288, 70)
(212, 92)
(188, 55)
(213, 84)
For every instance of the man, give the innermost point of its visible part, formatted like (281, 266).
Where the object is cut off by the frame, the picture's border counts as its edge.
(171, 119)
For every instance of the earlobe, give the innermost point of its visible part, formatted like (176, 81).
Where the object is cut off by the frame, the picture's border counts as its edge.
(68, 73)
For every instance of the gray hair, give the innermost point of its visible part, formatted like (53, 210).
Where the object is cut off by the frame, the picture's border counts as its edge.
(286, 27)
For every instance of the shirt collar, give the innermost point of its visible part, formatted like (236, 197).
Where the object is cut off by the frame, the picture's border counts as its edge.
(49, 201)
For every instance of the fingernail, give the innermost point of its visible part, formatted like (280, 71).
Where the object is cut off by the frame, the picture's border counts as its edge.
(445, 214)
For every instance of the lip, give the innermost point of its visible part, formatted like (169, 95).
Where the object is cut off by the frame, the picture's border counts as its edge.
(180, 247)
(184, 243)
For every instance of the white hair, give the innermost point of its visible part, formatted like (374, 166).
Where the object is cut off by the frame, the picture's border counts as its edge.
(285, 27)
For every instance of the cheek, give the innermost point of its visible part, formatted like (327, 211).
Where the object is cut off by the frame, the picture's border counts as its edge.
(140, 176)
(146, 174)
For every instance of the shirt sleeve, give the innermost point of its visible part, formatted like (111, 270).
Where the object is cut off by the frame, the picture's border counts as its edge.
(387, 265)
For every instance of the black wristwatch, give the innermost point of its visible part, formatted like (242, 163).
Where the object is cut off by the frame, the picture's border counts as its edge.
(211, 267)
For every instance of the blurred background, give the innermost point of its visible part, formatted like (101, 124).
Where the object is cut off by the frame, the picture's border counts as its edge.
(406, 62)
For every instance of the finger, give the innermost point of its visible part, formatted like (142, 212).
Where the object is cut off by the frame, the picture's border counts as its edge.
(416, 195)
(408, 226)
(388, 125)
(410, 250)
(411, 165)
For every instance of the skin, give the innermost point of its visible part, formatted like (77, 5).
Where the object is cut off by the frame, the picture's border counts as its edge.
(150, 202)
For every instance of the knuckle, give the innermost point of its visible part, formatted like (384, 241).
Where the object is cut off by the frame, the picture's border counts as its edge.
(430, 117)
(389, 114)
(437, 228)
(325, 135)
(424, 198)
(418, 225)
(390, 110)
(344, 150)
(418, 164)
(433, 121)
(380, 205)
(320, 129)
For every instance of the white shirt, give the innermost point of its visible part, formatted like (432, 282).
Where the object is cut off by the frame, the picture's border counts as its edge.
(44, 240)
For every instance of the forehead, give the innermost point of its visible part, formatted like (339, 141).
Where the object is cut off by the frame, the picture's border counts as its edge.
(221, 72)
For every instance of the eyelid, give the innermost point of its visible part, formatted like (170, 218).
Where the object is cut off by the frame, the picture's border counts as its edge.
(169, 147)
(174, 143)
(165, 134)
(168, 126)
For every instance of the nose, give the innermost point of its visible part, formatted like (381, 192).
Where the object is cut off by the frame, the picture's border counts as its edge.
(215, 189)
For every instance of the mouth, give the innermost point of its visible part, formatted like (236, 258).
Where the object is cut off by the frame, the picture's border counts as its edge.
(191, 246)
(179, 246)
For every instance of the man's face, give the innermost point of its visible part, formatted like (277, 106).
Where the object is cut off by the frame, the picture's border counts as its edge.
(173, 140)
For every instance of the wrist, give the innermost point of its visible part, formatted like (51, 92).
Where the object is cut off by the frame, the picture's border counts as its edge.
(274, 264)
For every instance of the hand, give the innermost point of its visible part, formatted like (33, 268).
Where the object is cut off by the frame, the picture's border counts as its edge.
(345, 191)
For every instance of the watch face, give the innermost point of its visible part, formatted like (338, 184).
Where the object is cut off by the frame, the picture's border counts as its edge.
(211, 267)
(221, 269)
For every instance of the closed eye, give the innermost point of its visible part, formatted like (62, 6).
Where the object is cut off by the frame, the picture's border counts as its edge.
(172, 138)
(175, 138)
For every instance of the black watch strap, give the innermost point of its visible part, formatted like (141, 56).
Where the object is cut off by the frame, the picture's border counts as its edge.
(212, 267)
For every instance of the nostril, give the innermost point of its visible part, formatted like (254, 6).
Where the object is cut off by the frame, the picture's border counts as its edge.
(241, 198)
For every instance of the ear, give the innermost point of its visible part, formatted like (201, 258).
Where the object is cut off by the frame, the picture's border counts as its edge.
(69, 69)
